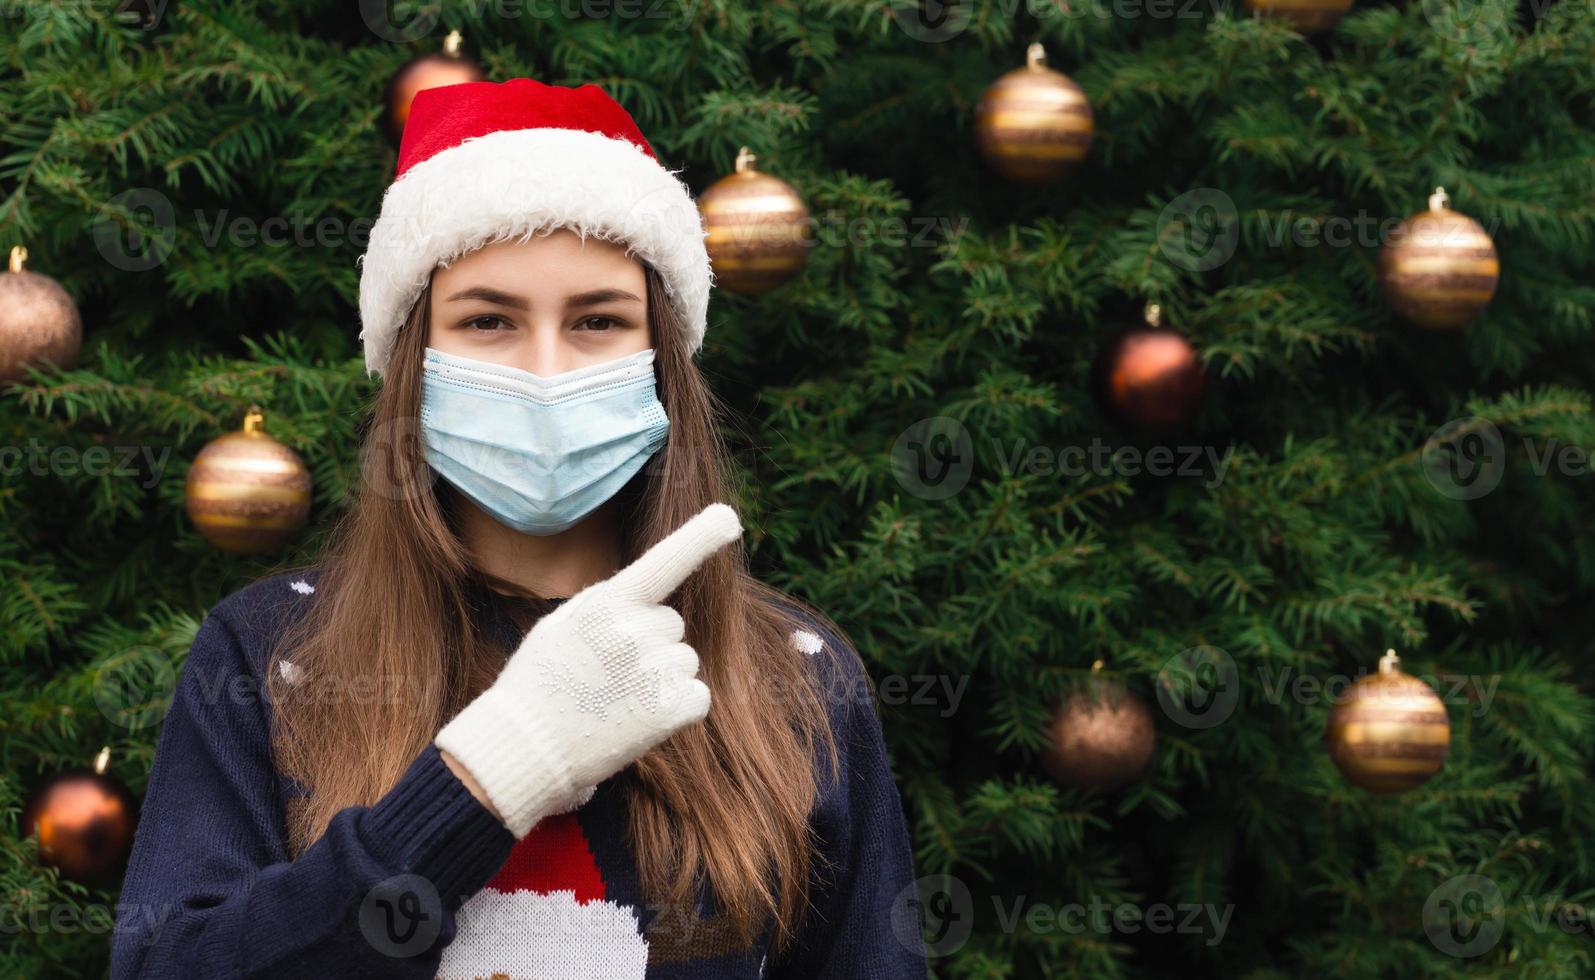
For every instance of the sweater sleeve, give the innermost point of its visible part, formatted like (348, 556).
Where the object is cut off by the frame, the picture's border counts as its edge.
(210, 890)
(864, 921)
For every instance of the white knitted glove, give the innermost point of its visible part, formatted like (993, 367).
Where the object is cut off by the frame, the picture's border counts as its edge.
(596, 683)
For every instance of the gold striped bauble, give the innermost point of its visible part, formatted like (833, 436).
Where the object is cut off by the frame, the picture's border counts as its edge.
(39, 323)
(248, 493)
(1439, 268)
(1034, 124)
(1306, 16)
(1099, 737)
(1389, 732)
(757, 226)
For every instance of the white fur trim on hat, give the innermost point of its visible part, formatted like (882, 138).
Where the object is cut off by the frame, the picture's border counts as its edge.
(514, 184)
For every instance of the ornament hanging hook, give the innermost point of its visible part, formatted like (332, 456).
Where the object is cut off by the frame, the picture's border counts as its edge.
(746, 158)
(254, 419)
(1035, 55)
(1154, 315)
(1439, 200)
(19, 256)
(1389, 662)
(102, 759)
(452, 43)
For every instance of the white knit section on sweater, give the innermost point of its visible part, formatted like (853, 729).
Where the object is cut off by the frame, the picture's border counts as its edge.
(528, 936)
(809, 643)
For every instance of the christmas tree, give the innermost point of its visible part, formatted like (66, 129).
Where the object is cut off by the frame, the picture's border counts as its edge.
(925, 423)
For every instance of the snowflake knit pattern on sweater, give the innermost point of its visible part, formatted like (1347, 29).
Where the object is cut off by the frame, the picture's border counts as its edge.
(427, 883)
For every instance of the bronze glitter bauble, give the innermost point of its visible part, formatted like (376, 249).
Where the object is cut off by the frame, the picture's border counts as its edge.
(1101, 736)
(1305, 16)
(758, 229)
(39, 323)
(247, 493)
(85, 821)
(1389, 732)
(1439, 268)
(1150, 377)
(1034, 124)
(419, 74)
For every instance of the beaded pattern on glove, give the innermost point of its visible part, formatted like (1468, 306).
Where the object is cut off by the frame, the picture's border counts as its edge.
(624, 675)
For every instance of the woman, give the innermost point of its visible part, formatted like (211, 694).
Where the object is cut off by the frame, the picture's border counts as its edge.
(534, 718)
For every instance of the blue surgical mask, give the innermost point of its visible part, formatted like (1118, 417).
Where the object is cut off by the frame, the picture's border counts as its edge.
(539, 454)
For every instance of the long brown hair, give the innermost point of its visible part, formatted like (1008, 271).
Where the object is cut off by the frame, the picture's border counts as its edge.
(726, 802)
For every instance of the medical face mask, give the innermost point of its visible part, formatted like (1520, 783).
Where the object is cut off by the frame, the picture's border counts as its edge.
(536, 453)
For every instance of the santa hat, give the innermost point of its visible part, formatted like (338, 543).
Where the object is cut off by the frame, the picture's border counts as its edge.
(482, 162)
(547, 913)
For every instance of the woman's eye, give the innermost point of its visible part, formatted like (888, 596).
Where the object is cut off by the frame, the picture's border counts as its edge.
(601, 324)
(486, 323)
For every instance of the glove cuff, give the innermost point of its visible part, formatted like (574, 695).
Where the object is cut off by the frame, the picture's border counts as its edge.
(511, 756)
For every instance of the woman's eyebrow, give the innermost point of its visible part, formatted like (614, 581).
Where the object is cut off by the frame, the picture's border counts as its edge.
(596, 296)
(488, 295)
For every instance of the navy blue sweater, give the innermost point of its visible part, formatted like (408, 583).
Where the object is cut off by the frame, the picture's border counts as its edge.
(211, 891)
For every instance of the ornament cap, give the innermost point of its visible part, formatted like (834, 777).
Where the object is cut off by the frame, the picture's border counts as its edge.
(1096, 666)
(254, 420)
(19, 256)
(102, 759)
(1154, 315)
(1439, 200)
(1035, 55)
(746, 158)
(1389, 663)
(452, 44)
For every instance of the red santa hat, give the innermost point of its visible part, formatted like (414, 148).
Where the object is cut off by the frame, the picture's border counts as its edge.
(547, 913)
(483, 162)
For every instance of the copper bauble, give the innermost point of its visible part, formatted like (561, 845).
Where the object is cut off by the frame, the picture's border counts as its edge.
(248, 493)
(1150, 377)
(1101, 736)
(85, 822)
(1439, 268)
(1034, 124)
(420, 73)
(1389, 732)
(758, 229)
(1305, 16)
(39, 323)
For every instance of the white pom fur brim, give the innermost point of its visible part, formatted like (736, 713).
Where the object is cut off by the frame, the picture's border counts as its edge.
(514, 184)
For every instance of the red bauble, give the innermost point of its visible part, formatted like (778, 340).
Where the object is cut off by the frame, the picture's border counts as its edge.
(1150, 377)
(448, 67)
(85, 822)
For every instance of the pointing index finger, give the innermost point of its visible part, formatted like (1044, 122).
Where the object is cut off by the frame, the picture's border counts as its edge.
(662, 568)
